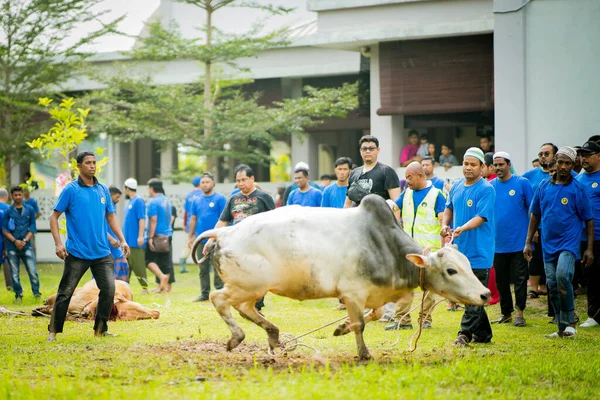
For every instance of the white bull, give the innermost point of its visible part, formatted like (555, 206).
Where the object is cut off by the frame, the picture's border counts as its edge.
(360, 255)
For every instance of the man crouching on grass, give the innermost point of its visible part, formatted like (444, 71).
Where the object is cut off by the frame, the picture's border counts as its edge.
(89, 211)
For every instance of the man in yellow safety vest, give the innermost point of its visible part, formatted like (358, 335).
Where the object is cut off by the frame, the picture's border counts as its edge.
(421, 209)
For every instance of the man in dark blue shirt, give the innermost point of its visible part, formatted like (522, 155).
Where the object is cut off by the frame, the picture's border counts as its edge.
(562, 205)
(590, 179)
(18, 227)
(3, 264)
(89, 212)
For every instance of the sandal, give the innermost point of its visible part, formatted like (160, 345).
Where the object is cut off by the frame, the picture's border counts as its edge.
(533, 294)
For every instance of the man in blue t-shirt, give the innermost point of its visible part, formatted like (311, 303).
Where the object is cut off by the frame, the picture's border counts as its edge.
(204, 215)
(3, 263)
(470, 208)
(121, 268)
(427, 163)
(562, 205)
(305, 195)
(590, 179)
(513, 198)
(18, 227)
(89, 212)
(334, 195)
(159, 223)
(187, 213)
(134, 227)
(294, 186)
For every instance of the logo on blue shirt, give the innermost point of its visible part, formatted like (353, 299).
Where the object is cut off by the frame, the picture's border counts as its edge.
(469, 203)
(564, 200)
(512, 192)
(595, 185)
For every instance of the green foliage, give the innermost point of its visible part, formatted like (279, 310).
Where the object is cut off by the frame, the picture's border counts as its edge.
(182, 355)
(241, 128)
(68, 132)
(218, 117)
(279, 169)
(35, 60)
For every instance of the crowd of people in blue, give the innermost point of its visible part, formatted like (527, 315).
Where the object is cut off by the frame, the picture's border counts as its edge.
(538, 231)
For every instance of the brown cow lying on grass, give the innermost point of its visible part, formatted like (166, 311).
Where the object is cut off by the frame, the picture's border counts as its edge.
(84, 302)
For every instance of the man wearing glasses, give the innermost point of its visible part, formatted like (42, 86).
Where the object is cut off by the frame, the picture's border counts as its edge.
(537, 276)
(590, 179)
(373, 177)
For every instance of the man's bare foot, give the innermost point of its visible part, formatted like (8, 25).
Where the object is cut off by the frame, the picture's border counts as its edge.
(145, 291)
(51, 337)
(164, 283)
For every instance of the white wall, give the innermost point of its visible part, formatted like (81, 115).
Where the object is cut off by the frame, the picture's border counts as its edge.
(546, 67)
(402, 20)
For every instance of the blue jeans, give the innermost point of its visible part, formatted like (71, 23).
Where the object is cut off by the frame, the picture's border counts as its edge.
(559, 274)
(26, 255)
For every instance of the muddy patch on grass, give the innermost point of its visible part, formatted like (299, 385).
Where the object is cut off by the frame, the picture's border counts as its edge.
(209, 356)
(247, 355)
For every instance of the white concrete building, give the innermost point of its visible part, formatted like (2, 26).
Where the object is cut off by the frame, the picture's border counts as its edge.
(522, 70)
(544, 85)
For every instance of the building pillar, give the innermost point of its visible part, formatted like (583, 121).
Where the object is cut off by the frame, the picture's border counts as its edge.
(510, 114)
(304, 147)
(389, 130)
(168, 163)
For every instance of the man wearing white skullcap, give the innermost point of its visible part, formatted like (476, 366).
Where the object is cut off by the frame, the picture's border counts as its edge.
(562, 205)
(513, 198)
(470, 207)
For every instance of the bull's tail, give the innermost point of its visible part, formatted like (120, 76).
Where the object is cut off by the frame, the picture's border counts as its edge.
(206, 235)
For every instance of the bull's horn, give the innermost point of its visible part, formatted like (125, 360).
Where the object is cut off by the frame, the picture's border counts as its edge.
(206, 235)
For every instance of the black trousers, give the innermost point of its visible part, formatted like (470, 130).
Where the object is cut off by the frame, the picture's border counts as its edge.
(204, 274)
(475, 323)
(592, 276)
(103, 271)
(515, 265)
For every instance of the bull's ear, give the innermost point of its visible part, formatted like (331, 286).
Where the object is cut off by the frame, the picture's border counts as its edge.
(419, 260)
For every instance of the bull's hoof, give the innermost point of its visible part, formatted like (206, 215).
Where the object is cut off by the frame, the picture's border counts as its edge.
(341, 330)
(234, 342)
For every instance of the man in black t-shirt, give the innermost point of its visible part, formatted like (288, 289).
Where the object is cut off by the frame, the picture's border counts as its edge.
(247, 202)
(373, 177)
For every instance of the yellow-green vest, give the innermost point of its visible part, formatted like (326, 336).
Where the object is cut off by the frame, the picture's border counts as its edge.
(425, 226)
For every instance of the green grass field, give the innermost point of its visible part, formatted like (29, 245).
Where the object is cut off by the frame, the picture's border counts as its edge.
(182, 355)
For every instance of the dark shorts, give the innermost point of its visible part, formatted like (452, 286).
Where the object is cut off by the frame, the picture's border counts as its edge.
(160, 259)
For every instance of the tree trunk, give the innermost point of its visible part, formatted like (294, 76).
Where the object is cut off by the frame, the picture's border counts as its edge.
(211, 164)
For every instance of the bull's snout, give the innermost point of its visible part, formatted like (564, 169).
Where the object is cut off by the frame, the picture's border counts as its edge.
(485, 296)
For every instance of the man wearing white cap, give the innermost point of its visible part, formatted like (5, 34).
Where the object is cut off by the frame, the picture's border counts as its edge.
(513, 198)
(134, 226)
(470, 207)
(562, 205)
(299, 166)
